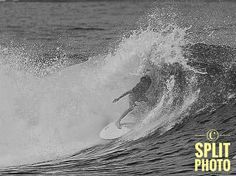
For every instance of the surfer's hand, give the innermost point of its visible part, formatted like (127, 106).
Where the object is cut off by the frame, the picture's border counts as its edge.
(115, 100)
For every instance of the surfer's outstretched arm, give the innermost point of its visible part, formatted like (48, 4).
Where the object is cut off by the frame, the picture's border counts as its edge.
(126, 93)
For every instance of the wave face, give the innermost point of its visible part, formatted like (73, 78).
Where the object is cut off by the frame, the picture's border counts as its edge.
(50, 117)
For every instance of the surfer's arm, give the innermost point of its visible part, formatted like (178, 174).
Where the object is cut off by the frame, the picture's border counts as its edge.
(126, 93)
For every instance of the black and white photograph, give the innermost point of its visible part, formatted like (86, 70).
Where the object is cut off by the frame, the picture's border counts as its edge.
(118, 87)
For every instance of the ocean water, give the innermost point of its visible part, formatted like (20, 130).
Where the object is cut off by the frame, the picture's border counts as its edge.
(83, 28)
(62, 64)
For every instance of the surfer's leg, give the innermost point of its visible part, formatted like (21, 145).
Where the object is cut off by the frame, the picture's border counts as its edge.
(131, 107)
(122, 116)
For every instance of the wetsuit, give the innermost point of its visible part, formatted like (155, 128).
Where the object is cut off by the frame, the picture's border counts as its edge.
(138, 92)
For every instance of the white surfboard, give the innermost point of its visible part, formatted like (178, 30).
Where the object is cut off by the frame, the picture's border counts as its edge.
(112, 132)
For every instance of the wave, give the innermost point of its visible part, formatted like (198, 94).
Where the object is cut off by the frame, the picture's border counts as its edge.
(53, 115)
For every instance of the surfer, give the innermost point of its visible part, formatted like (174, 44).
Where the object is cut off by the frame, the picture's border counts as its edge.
(137, 94)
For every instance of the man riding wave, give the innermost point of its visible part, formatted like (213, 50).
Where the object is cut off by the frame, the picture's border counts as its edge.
(137, 94)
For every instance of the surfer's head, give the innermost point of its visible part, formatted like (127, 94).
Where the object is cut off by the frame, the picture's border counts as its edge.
(144, 78)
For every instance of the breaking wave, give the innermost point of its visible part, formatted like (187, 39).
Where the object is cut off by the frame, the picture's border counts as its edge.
(49, 110)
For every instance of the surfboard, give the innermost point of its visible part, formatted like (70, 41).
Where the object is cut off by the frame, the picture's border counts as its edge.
(112, 132)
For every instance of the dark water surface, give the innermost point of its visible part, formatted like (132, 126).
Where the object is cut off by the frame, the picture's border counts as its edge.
(83, 28)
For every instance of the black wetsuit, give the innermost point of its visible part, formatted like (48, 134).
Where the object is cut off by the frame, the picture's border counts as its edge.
(138, 92)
